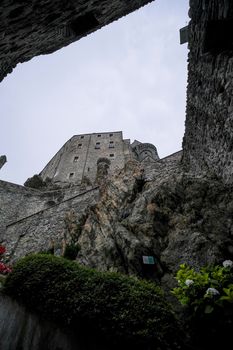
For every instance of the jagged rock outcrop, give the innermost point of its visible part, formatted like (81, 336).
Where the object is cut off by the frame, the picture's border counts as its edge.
(178, 219)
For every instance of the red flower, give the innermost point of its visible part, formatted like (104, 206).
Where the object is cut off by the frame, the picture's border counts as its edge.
(4, 269)
(2, 249)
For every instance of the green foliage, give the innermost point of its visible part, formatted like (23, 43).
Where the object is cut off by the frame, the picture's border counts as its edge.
(71, 251)
(35, 182)
(115, 306)
(228, 294)
(208, 297)
(205, 290)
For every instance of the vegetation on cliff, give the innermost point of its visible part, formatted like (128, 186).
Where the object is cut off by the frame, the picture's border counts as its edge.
(207, 295)
(115, 306)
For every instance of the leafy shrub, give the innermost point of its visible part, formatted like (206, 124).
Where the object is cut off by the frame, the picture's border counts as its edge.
(208, 297)
(115, 306)
(203, 291)
(71, 251)
(35, 182)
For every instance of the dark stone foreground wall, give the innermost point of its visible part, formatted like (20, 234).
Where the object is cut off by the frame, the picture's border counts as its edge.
(208, 141)
(24, 330)
(31, 28)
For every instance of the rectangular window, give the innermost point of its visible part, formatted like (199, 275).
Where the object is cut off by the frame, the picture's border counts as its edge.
(110, 135)
(82, 137)
(111, 144)
(71, 175)
(99, 135)
(75, 159)
(111, 155)
(97, 145)
(79, 145)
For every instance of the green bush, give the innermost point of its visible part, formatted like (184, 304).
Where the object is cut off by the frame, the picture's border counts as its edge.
(205, 290)
(115, 306)
(207, 295)
(71, 251)
(35, 181)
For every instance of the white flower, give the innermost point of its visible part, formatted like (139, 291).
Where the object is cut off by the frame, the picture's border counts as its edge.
(189, 282)
(227, 263)
(212, 292)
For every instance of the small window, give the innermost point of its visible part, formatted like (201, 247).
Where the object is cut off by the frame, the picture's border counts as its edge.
(88, 169)
(111, 144)
(71, 175)
(82, 137)
(97, 145)
(111, 155)
(79, 145)
(110, 135)
(75, 159)
(99, 135)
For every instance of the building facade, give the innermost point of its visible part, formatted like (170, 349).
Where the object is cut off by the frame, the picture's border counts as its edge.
(76, 161)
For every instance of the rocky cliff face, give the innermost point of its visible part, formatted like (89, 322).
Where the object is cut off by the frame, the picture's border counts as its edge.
(143, 210)
(175, 218)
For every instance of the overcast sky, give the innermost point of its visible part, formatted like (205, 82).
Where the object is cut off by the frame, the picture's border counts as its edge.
(131, 75)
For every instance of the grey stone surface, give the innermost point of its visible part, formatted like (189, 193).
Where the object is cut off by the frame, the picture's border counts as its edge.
(21, 329)
(17, 201)
(208, 141)
(3, 160)
(47, 228)
(31, 28)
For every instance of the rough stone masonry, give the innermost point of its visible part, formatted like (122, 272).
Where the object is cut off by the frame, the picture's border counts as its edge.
(208, 140)
(35, 27)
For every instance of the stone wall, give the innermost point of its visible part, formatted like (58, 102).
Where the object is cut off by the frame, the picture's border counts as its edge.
(17, 201)
(23, 330)
(38, 232)
(31, 28)
(208, 141)
(164, 168)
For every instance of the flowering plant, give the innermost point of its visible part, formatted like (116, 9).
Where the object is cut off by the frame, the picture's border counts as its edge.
(2, 249)
(4, 269)
(205, 290)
